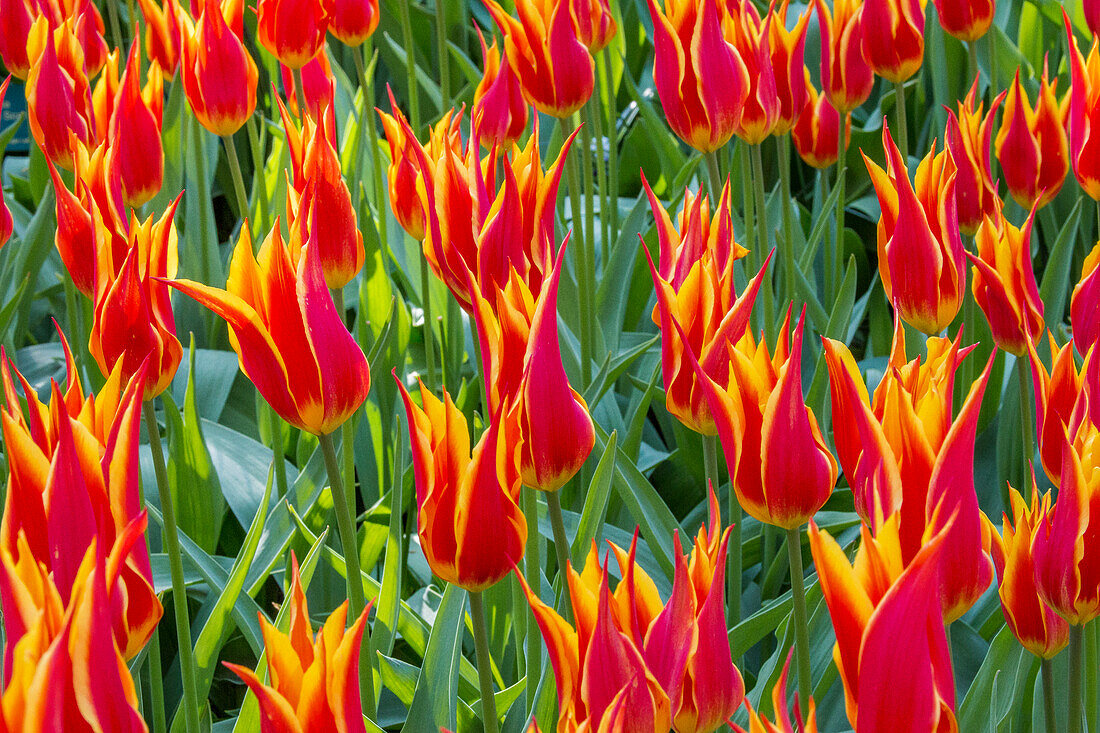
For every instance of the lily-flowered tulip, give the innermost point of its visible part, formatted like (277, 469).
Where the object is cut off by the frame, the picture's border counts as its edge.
(967, 139)
(19, 16)
(595, 23)
(219, 76)
(499, 114)
(289, 338)
(778, 462)
(292, 31)
(352, 21)
(695, 288)
(759, 724)
(1004, 283)
(700, 77)
(1034, 623)
(162, 33)
(470, 525)
(134, 323)
(846, 77)
(893, 37)
(319, 85)
(967, 20)
(817, 129)
(134, 133)
(891, 645)
(1056, 395)
(750, 36)
(920, 251)
(1084, 308)
(1084, 114)
(787, 49)
(1032, 146)
(314, 677)
(555, 69)
(59, 97)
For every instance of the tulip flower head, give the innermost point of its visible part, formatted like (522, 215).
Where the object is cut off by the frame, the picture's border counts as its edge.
(352, 21)
(59, 99)
(893, 37)
(817, 130)
(292, 31)
(1057, 393)
(499, 115)
(1084, 309)
(787, 56)
(1092, 15)
(19, 16)
(967, 20)
(219, 75)
(595, 23)
(135, 130)
(162, 33)
(1084, 114)
(750, 36)
(1032, 146)
(846, 77)
(967, 138)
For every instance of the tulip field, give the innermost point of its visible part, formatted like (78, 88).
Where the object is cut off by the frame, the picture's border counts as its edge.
(576, 366)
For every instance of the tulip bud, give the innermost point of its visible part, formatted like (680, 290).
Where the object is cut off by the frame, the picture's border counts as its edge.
(19, 16)
(218, 74)
(967, 138)
(744, 29)
(162, 34)
(817, 129)
(499, 114)
(1056, 395)
(59, 100)
(893, 37)
(787, 51)
(352, 21)
(135, 128)
(1031, 145)
(1084, 308)
(967, 20)
(292, 31)
(846, 77)
(595, 23)
(1084, 114)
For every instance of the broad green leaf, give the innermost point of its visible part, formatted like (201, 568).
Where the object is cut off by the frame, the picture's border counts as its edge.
(434, 704)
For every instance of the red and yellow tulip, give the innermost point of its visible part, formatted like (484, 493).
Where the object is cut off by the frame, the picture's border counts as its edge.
(595, 23)
(219, 75)
(1084, 114)
(59, 97)
(162, 33)
(817, 130)
(352, 21)
(319, 85)
(1084, 309)
(967, 20)
(135, 129)
(846, 77)
(1032, 146)
(499, 114)
(292, 31)
(743, 28)
(787, 49)
(967, 139)
(1057, 393)
(893, 37)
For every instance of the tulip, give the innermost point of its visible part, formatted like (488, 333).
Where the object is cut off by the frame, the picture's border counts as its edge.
(1092, 15)
(759, 724)
(744, 29)
(787, 50)
(135, 127)
(555, 70)
(87, 26)
(319, 85)
(1084, 309)
(499, 114)
(1084, 114)
(292, 31)
(594, 22)
(700, 77)
(59, 100)
(967, 139)
(19, 16)
(817, 129)
(891, 647)
(920, 252)
(1034, 623)
(470, 526)
(314, 677)
(1056, 395)
(893, 37)
(967, 20)
(352, 21)
(1031, 145)
(289, 338)
(219, 76)
(846, 77)
(162, 34)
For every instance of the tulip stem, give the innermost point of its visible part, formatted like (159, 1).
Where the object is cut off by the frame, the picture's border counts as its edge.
(783, 147)
(1076, 699)
(170, 535)
(156, 684)
(275, 427)
(1091, 665)
(561, 542)
(903, 127)
(733, 581)
(1025, 422)
(762, 239)
(484, 663)
(345, 524)
(258, 173)
(606, 77)
(972, 58)
(375, 158)
(714, 176)
(595, 116)
(836, 255)
(429, 332)
(1047, 667)
(532, 560)
(589, 211)
(409, 44)
(235, 172)
(801, 621)
(116, 27)
(583, 270)
(444, 57)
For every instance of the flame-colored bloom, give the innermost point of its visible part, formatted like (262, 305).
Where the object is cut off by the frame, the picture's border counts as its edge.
(816, 132)
(759, 724)
(695, 289)
(967, 138)
(499, 114)
(779, 464)
(525, 376)
(1032, 146)
(920, 252)
(846, 77)
(133, 322)
(1092, 15)
(59, 98)
(1084, 114)
(162, 33)
(73, 476)
(787, 49)
(700, 77)
(219, 75)
(743, 28)
(891, 645)
(555, 70)
(594, 22)
(314, 677)
(1084, 308)
(470, 525)
(134, 133)
(352, 21)
(1034, 623)
(319, 85)
(1056, 395)
(289, 338)
(292, 31)
(893, 37)
(967, 20)
(19, 16)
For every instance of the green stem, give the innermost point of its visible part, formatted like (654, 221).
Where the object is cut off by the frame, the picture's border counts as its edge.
(1092, 663)
(532, 560)
(714, 175)
(300, 94)
(484, 663)
(348, 428)
(429, 331)
(235, 172)
(595, 116)
(258, 174)
(734, 560)
(1076, 700)
(409, 45)
(790, 291)
(972, 59)
(275, 427)
(444, 57)
(561, 542)
(156, 684)
(1047, 667)
(116, 27)
(1025, 423)
(589, 211)
(801, 621)
(190, 700)
(345, 524)
(607, 78)
(762, 240)
(903, 127)
(583, 270)
(375, 156)
(836, 254)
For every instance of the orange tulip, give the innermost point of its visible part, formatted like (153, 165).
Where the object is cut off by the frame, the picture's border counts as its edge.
(920, 252)
(352, 21)
(594, 22)
(1084, 114)
(289, 338)
(499, 114)
(219, 76)
(470, 525)
(59, 99)
(846, 77)
(817, 129)
(967, 139)
(778, 462)
(967, 20)
(319, 85)
(134, 132)
(750, 36)
(314, 677)
(700, 77)
(1034, 623)
(1057, 393)
(787, 53)
(162, 34)
(1032, 146)
(759, 724)
(292, 31)
(19, 16)
(1084, 308)
(555, 70)
(893, 37)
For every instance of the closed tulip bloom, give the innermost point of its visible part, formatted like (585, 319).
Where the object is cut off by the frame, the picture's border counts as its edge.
(1084, 114)
(1084, 308)
(59, 100)
(967, 139)
(219, 76)
(352, 21)
(314, 676)
(920, 252)
(135, 128)
(162, 33)
(787, 49)
(19, 16)
(1034, 623)
(470, 525)
(893, 37)
(87, 26)
(750, 36)
(760, 724)
(846, 77)
(700, 77)
(1032, 146)
(1056, 395)
(595, 23)
(292, 31)
(289, 338)
(499, 115)
(555, 70)
(967, 20)
(319, 85)
(817, 129)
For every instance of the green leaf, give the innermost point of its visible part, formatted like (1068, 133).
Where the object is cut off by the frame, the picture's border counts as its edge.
(595, 502)
(434, 702)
